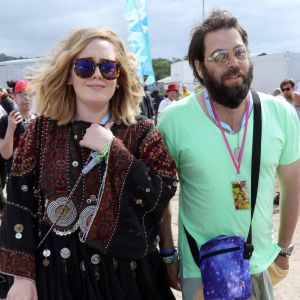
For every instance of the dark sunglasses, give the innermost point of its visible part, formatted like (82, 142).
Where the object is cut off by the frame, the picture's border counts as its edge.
(285, 89)
(85, 68)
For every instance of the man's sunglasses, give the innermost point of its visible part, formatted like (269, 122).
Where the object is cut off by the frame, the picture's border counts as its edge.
(85, 68)
(222, 57)
(285, 89)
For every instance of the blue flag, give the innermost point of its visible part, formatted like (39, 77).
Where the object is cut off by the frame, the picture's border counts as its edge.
(138, 39)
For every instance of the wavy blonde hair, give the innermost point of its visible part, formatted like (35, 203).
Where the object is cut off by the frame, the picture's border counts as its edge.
(56, 98)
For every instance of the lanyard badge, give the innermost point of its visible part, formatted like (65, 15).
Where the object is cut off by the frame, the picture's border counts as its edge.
(239, 187)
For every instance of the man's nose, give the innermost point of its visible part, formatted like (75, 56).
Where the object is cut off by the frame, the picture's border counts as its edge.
(232, 61)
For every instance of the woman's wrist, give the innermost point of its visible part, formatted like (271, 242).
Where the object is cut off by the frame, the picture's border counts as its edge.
(104, 151)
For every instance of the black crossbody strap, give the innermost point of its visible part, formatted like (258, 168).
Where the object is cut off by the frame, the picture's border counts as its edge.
(256, 153)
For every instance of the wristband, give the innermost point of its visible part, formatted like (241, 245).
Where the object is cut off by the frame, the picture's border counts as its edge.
(168, 251)
(171, 259)
(103, 153)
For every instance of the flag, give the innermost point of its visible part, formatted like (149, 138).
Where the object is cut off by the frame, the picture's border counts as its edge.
(139, 41)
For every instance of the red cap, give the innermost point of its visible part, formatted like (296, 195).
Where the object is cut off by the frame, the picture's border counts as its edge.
(21, 86)
(172, 87)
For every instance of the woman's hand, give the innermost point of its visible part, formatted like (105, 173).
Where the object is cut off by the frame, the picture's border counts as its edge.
(14, 118)
(22, 289)
(173, 274)
(97, 136)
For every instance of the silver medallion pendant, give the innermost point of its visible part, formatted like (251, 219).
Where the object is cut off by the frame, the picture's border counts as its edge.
(61, 212)
(86, 218)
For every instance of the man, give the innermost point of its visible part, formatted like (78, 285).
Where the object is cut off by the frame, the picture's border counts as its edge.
(146, 104)
(296, 99)
(219, 56)
(172, 93)
(157, 98)
(287, 87)
(185, 92)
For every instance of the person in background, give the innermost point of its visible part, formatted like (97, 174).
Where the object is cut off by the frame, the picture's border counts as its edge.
(157, 98)
(90, 182)
(215, 157)
(9, 136)
(22, 95)
(287, 88)
(146, 104)
(277, 93)
(185, 92)
(3, 169)
(296, 100)
(172, 94)
(2, 111)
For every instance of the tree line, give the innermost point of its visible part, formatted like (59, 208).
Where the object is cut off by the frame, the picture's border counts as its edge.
(161, 66)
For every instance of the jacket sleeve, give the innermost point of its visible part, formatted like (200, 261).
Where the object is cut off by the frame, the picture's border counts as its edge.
(19, 225)
(150, 172)
(140, 184)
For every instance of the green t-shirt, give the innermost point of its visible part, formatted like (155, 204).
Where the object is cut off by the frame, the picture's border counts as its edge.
(205, 171)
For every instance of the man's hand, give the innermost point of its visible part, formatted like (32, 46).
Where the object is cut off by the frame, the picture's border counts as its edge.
(282, 262)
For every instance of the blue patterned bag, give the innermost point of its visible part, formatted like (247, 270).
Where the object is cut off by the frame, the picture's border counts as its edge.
(225, 269)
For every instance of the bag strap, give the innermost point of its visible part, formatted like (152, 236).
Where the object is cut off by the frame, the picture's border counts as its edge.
(256, 154)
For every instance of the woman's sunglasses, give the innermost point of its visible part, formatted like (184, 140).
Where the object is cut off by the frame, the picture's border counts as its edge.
(85, 68)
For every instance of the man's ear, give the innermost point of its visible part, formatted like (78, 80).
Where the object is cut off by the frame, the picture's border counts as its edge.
(198, 68)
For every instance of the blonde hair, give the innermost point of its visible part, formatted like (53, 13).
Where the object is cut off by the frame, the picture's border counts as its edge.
(56, 98)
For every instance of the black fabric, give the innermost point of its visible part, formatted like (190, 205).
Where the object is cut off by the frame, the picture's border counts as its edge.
(3, 162)
(113, 278)
(256, 154)
(156, 101)
(120, 275)
(3, 126)
(5, 165)
(5, 284)
(147, 106)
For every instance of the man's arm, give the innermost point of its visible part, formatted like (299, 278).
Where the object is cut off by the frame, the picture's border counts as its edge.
(289, 179)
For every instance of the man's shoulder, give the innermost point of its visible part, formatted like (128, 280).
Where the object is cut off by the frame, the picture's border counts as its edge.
(270, 100)
(277, 109)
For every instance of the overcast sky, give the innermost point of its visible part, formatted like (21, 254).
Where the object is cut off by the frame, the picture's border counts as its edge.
(31, 28)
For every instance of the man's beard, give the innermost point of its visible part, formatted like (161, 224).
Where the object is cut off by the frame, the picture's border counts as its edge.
(233, 96)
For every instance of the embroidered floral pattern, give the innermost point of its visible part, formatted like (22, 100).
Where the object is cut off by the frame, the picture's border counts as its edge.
(24, 155)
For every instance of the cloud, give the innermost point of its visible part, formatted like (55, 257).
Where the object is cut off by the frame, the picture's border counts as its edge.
(33, 27)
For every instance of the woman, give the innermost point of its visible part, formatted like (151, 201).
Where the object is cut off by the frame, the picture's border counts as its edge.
(9, 132)
(8, 123)
(86, 200)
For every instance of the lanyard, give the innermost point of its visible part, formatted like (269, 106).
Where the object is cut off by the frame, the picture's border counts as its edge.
(237, 164)
(105, 119)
